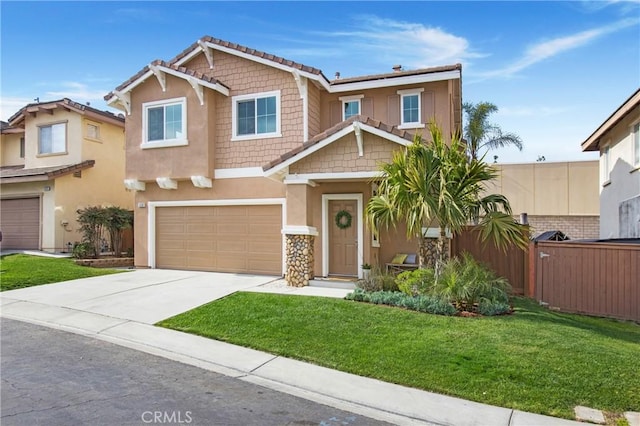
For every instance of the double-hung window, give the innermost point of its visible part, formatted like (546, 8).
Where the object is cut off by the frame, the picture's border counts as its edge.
(411, 108)
(52, 139)
(351, 105)
(256, 116)
(164, 123)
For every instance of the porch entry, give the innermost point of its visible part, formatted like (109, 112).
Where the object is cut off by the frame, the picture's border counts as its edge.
(343, 237)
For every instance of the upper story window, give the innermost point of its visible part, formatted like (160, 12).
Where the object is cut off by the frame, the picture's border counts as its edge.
(256, 116)
(52, 139)
(22, 147)
(351, 105)
(164, 123)
(636, 144)
(93, 131)
(410, 108)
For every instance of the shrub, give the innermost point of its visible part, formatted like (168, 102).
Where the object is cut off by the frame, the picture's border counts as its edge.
(117, 220)
(465, 282)
(413, 283)
(92, 223)
(489, 308)
(81, 250)
(378, 280)
(421, 303)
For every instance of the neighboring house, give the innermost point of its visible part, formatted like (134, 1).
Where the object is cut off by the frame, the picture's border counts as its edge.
(618, 141)
(560, 196)
(58, 157)
(242, 161)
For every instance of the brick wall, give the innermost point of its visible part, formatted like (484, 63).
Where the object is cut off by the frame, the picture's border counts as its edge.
(575, 227)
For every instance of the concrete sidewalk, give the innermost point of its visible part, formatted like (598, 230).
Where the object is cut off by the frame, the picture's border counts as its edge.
(122, 309)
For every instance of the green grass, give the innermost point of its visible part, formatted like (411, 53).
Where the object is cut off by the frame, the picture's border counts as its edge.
(535, 360)
(20, 270)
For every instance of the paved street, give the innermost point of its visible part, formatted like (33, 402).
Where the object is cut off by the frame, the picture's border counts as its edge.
(50, 377)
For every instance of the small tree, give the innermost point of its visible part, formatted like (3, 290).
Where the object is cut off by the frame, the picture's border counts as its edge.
(92, 224)
(117, 220)
(434, 183)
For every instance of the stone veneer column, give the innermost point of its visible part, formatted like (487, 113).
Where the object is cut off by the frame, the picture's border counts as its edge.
(299, 252)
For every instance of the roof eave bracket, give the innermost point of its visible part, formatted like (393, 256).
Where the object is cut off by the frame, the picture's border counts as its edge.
(208, 52)
(358, 132)
(301, 82)
(125, 100)
(197, 87)
(160, 75)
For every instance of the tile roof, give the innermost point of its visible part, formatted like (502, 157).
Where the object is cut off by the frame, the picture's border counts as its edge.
(183, 70)
(392, 130)
(67, 103)
(396, 74)
(249, 51)
(9, 172)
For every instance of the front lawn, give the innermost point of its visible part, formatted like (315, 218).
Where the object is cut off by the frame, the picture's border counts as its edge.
(535, 360)
(21, 270)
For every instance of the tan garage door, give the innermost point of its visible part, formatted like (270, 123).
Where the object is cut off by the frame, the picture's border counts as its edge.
(20, 223)
(244, 239)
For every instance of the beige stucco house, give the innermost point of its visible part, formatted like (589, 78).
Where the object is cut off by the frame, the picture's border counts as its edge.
(58, 157)
(243, 161)
(618, 141)
(555, 196)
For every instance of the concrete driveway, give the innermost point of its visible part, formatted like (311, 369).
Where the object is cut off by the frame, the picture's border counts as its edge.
(142, 295)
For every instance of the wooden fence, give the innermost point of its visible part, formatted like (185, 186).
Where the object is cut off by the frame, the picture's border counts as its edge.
(593, 278)
(512, 264)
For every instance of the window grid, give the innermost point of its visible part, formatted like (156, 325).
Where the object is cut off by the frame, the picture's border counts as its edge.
(165, 122)
(351, 108)
(410, 109)
(257, 116)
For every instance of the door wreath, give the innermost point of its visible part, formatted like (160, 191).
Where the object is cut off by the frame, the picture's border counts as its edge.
(343, 219)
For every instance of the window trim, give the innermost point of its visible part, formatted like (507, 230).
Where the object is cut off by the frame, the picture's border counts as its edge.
(98, 137)
(635, 144)
(66, 138)
(606, 159)
(164, 143)
(413, 124)
(348, 99)
(255, 96)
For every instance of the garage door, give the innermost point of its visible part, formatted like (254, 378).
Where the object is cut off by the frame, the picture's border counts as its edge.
(243, 239)
(20, 223)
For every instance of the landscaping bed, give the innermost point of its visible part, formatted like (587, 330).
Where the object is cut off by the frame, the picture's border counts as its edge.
(106, 262)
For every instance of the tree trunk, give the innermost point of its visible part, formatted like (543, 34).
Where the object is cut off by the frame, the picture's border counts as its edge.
(423, 252)
(442, 251)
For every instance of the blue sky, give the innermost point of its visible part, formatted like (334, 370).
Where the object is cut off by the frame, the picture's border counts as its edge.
(556, 70)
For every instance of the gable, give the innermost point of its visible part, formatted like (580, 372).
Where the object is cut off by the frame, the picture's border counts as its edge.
(343, 156)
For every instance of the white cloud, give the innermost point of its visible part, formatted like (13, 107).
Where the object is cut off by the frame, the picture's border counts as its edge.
(11, 105)
(78, 92)
(550, 48)
(389, 42)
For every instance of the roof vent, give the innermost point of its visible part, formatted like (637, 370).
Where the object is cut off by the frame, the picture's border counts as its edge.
(397, 68)
(337, 75)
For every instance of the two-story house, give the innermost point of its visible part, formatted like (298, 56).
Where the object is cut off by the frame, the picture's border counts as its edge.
(243, 161)
(618, 141)
(58, 157)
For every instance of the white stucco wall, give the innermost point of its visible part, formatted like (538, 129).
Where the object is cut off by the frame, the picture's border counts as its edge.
(623, 181)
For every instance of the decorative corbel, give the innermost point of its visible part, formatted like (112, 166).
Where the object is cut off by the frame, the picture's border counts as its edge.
(201, 182)
(301, 82)
(167, 183)
(134, 185)
(208, 52)
(197, 87)
(125, 100)
(358, 132)
(160, 75)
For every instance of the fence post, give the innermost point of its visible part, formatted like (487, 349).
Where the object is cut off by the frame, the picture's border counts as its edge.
(533, 259)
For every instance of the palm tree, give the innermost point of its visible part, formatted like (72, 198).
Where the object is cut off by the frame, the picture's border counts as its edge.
(435, 184)
(482, 135)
